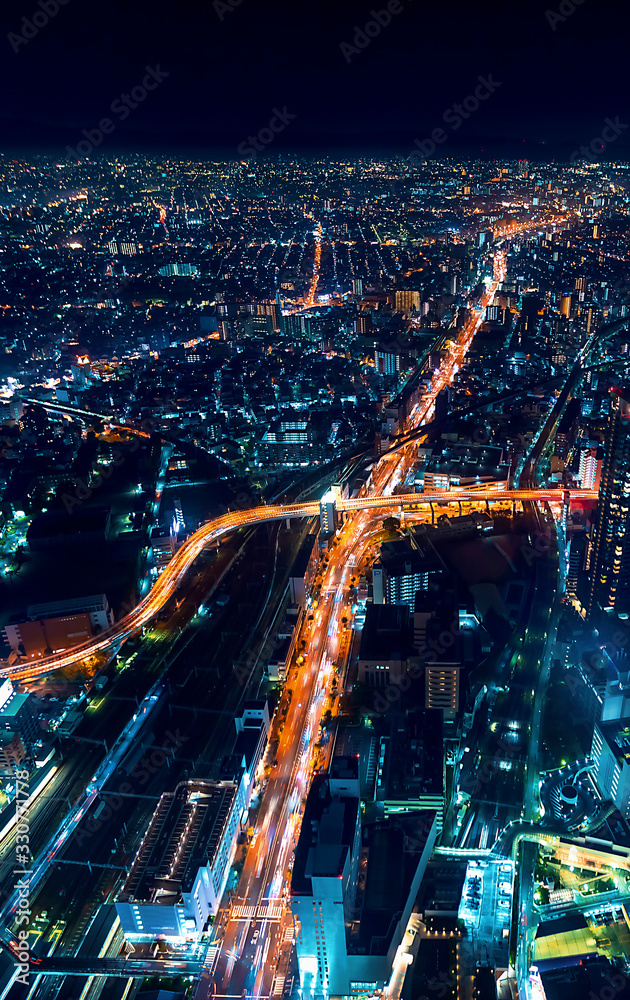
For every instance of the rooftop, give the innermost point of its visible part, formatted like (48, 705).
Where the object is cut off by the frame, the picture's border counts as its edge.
(182, 837)
(385, 633)
(11, 707)
(326, 836)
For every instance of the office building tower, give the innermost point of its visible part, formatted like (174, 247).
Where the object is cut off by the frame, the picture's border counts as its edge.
(349, 919)
(12, 751)
(328, 514)
(386, 362)
(407, 301)
(610, 562)
(17, 715)
(590, 471)
(611, 752)
(442, 686)
(405, 567)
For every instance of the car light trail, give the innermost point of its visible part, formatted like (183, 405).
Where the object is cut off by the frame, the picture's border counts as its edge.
(166, 584)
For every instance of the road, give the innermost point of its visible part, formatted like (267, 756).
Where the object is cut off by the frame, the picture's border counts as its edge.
(258, 919)
(385, 479)
(252, 938)
(248, 950)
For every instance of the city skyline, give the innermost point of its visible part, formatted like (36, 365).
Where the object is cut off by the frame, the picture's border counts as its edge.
(314, 503)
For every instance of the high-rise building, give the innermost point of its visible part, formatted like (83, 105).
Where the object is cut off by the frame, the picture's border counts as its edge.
(387, 362)
(349, 923)
(407, 300)
(17, 715)
(590, 472)
(12, 751)
(442, 686)
(610, 562)
(328, 514)
(405, 567)
(611, 752)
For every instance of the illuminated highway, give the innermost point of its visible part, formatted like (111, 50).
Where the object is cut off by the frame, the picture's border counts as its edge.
(310, 298)
(258, 918)
(386, 478)
(175, 571)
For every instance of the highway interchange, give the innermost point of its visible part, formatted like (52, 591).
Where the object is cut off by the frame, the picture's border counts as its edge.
(257, 923)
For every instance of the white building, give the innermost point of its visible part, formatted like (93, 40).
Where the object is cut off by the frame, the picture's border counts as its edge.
(590, 469)
(611, 753)
(348, 931)
(180, 872)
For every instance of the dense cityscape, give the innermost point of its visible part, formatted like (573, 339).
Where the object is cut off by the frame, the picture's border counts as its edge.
(314, 578)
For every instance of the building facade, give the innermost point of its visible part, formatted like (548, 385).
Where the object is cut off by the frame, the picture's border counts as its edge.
(178, 876)
(610, 560)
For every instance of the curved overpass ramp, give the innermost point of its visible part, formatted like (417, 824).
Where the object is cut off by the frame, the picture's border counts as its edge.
(166, 584)
(162, 590)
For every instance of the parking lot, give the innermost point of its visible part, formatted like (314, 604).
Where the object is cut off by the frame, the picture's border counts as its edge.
(486, 905)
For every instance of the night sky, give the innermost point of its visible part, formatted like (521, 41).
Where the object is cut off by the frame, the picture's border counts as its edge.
(230, 64)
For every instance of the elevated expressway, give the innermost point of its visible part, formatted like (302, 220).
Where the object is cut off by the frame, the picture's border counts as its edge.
(175, 572)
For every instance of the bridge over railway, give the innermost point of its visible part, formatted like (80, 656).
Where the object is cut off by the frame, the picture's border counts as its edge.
(328, 509)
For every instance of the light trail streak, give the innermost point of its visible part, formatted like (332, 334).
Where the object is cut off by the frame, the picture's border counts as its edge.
(175, 571)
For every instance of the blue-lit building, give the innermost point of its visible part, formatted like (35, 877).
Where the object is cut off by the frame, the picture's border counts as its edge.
(610, 559)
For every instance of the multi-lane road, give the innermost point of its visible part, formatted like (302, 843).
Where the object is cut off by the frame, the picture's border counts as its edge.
(383, 483)
(257, 924)
(174, 573)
